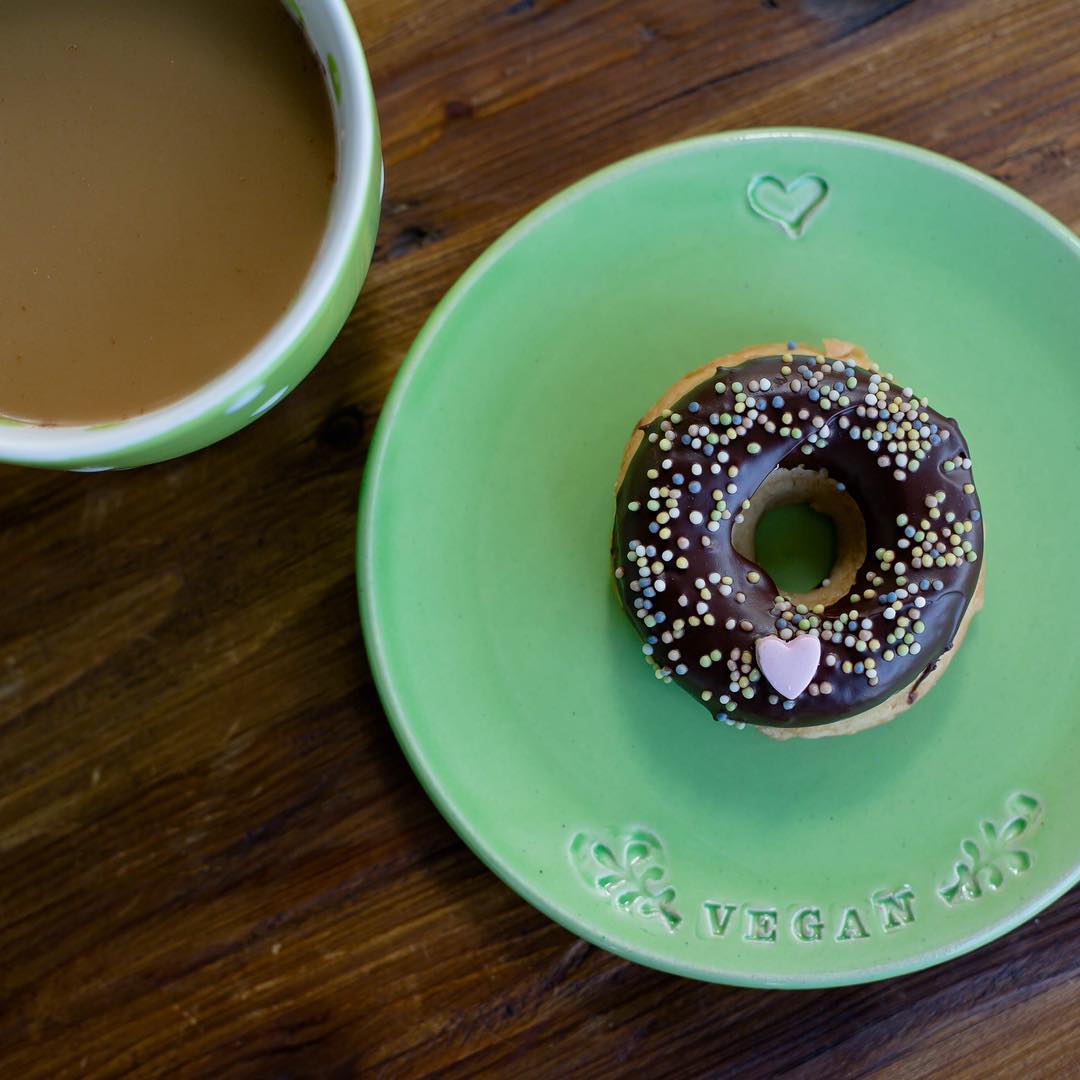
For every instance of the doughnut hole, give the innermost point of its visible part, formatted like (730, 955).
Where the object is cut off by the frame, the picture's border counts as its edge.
(795, 546)
(815, 489)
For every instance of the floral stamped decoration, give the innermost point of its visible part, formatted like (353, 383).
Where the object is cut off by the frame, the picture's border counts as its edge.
(629, 868)
(995, 854)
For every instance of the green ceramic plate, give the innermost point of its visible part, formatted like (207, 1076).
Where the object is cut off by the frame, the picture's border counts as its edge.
(516, 686)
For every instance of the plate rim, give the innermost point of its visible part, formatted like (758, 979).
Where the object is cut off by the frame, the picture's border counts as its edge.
(634, 950)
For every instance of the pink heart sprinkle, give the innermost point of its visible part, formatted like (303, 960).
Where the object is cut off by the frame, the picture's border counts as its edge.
(788, 665)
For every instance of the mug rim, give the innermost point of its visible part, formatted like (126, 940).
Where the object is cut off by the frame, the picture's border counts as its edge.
(24, 442)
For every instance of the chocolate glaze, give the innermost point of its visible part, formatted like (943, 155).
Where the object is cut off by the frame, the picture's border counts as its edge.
(913, 693)
(856, 462)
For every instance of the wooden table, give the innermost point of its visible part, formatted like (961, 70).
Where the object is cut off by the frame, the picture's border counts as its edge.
(214, 860)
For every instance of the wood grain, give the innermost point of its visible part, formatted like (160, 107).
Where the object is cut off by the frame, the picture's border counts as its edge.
(214, 860)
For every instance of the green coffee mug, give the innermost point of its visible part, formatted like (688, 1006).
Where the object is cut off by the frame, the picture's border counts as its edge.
(305, 330)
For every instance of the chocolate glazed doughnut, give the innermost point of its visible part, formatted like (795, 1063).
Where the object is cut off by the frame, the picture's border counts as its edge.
(777, 424)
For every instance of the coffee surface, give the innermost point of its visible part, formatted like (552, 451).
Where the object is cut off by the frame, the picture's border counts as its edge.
(166, 168)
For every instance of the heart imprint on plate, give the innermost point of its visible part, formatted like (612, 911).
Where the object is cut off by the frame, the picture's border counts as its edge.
(788, 665)
(789, 205)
